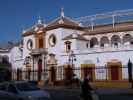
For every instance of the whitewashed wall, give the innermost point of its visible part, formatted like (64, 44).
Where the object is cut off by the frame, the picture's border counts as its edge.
(25, 39)
(60, 33)
(81, 44)
(100, 59)
(16, 56)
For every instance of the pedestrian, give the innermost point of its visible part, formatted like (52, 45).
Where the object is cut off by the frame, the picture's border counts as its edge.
(86, 89)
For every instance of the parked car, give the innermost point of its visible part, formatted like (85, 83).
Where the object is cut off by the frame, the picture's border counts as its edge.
(22, 91)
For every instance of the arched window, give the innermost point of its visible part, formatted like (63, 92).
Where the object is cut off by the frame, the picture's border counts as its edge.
(115, 40)
(68, 46)
(30, 44)
(93, 42)
(127, 39)
(104, 40)
(52, 40)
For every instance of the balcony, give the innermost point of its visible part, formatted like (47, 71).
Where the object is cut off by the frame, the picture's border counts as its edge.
(39, 51)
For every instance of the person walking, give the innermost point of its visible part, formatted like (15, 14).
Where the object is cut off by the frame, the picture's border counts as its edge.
(86, 89)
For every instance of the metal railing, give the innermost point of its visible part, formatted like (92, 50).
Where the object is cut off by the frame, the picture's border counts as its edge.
(107, 18)
(98, 73)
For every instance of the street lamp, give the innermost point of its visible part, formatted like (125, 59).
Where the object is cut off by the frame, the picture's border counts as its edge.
(28, 66)
(70, 74)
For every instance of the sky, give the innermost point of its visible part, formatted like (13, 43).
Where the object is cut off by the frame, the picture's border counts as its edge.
(16, 15)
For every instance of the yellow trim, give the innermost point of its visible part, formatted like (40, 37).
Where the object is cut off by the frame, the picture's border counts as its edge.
(51, 74)
(66, 65)
(88, 65)
(83, 66)
(118, 65)
(112, 84)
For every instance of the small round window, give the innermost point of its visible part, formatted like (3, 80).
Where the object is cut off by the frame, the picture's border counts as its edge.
(30, 44)
(52, 40)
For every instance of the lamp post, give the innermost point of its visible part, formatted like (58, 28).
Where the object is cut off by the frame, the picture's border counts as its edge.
(71, 59)
(27, 63)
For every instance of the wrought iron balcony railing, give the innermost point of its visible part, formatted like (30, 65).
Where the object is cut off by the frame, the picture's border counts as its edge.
(39, 51)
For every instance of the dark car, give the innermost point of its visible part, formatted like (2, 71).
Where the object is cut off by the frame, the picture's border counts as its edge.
(22, 91)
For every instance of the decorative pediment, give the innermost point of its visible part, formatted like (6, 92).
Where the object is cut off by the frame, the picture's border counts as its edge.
(36, 28)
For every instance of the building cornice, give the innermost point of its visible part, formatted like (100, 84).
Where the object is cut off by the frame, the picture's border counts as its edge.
(103, 29)
(63, 26)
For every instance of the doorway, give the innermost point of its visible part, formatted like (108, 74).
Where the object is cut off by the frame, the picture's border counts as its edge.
(114, 68)
(114, 72)
(39, 69)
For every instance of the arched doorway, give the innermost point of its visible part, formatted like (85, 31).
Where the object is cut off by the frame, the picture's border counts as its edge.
(39, 69)
(114, 70)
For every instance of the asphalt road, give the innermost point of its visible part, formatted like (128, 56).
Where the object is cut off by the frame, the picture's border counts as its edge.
(116, 97)
(104, 94)
(62, 94)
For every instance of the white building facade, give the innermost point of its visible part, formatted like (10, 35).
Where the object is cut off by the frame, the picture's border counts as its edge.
(103, 50)
(13, 54)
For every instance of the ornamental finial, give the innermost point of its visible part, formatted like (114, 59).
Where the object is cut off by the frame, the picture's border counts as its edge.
(40, 21)
(62, 12)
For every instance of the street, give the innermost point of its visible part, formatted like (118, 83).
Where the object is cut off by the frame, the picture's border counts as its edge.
(104, 94)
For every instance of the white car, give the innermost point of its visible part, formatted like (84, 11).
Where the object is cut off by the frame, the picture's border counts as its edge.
(22, 91)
